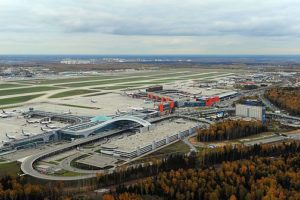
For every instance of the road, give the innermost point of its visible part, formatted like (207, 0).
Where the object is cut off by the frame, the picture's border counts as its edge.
(27, 164)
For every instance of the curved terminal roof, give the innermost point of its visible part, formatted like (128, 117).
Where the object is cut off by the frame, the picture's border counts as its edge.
(100, 118)
(87, 129)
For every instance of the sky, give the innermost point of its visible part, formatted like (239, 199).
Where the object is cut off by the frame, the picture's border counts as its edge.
(257, 27)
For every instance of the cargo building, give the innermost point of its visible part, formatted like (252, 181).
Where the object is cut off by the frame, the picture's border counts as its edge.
(252, 109)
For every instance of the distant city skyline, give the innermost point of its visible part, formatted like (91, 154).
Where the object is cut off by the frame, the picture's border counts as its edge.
(216, 27)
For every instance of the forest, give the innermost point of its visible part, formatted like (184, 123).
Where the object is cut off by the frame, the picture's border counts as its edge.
(249, 179)
(230, 129)
(206, 158)
(259, 172)
(19, 188)
(285, 98)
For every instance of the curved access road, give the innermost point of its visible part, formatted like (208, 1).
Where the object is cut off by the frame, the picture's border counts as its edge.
(27, 164)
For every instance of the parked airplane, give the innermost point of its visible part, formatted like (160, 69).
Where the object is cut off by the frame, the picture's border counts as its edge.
(2, 115)
(5, 142)
(11, 137)
(33, 121)
(27, 134)
(6, 114)
(47, 129)
(46, 122)
(120, 112)
(51, 126)
(136, 108)
(67, 112)
(9, 112)
(180, 122)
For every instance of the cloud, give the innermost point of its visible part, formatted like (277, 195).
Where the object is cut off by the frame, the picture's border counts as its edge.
(158, 17)
(161, 23)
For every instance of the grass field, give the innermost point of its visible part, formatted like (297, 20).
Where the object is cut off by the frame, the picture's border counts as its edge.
(79, 106)
(10, 85)
(102, 82)
(97, 77)
(211, 78)
(66, 80)
(66, 173)
(123, 79)
(12, 168)
(72, 93)
(96, 94)
(21, 99)
(115, 87)
(165, 80)
(26, 90)
(177, 147)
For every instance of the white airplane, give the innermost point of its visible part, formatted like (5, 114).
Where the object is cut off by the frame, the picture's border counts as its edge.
(120, 112)
(33, 121)
(46, 122)
(2, 115)
(51, 126)
(5, 142)
(27, 134)
(11, 137)
(9, 113)
(6, 114)
(180, 122)
(46, 129)
(93, 101)
(67, 112)
(136, 108)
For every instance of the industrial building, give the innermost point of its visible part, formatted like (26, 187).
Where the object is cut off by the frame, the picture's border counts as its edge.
(251, 108)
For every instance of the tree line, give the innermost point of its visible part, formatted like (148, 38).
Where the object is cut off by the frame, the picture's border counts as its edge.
(258, 178)
(205, 158)
(230, 129)
(285, 98)
(18, 188)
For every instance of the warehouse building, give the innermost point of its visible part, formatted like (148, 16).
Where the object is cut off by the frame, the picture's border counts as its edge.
(251, 108)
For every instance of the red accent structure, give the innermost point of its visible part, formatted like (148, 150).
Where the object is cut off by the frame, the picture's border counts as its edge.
(211, 101)
(172, 105)
(161, 107)
(150, 96)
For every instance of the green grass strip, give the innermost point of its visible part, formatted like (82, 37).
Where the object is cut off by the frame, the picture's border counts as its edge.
(26, 90)
(21, 99)
(72, 93)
